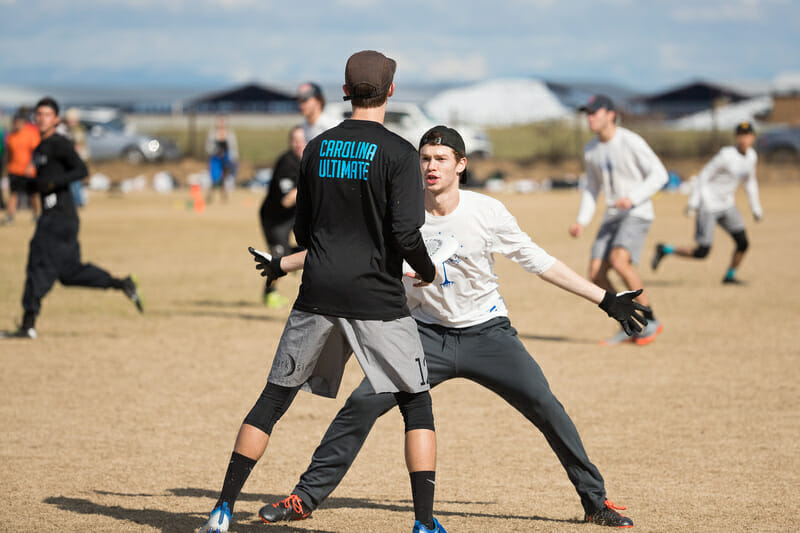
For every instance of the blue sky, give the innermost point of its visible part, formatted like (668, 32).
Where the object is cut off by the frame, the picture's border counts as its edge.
(645, 45)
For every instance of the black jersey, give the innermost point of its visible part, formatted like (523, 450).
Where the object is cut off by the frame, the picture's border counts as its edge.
(284, 179)
(57, 165)
(360, 205)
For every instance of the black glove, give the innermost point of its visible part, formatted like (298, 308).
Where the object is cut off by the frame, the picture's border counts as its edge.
(622, 308)
(269, 266)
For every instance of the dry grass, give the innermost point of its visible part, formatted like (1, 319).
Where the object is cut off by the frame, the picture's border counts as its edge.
(117, 422)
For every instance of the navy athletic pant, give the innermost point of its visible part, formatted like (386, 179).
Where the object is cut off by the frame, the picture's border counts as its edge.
(489, 354)
(55, 254)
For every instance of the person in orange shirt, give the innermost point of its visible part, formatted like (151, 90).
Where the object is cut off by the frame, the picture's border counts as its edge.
(21, 141)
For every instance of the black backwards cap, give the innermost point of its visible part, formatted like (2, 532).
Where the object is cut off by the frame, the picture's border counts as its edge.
(444, 136)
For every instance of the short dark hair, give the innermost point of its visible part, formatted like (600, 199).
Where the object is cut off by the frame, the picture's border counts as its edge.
(48, 102)
(367, 101)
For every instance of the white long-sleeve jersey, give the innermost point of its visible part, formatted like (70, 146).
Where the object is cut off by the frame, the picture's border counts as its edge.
(714, 189)
(465, 292)
(625, 166)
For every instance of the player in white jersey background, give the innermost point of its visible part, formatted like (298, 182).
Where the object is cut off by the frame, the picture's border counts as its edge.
(621, 165)
(713, 199)
(465, 331)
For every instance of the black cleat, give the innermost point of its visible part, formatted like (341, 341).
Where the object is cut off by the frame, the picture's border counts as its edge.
(130, 286)
(286, 510)
(659, 255)
(733, 281)
(21, 333)
(608, 516)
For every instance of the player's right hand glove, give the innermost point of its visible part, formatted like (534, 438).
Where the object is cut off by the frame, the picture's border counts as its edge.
(758, 217)
(623, 309)
(269, 266)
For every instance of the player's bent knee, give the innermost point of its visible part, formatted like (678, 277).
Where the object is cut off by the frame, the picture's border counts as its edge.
(701, 251)
(741, 241)
(416, 409)
(270, 407)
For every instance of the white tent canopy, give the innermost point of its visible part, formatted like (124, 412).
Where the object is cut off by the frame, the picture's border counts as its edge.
(726, 117)
(498, 102)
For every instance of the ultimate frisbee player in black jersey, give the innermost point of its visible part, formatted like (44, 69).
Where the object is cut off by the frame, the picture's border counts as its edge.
(54, 252)
(359, 209)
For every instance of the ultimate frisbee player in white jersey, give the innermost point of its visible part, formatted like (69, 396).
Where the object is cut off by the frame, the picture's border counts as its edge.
(621, 164)
(463, 323)
(713, 198)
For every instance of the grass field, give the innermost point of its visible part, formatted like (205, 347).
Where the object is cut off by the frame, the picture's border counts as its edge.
(548, 142)
(116, 422)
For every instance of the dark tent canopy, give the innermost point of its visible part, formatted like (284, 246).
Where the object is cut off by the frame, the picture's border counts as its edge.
(687, 99)
(251, 98)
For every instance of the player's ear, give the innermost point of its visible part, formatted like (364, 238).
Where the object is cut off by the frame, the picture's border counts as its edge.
(391, 90)
(346, 90)
(462, 165)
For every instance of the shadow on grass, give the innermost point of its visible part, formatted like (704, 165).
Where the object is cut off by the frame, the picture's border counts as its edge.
(174, 522)
(222, 304)
(400, 506)
(164, 521)
(219, 314)
(555, 338)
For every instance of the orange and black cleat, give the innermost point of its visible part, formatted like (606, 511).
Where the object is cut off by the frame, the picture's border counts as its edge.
(287, 510)
(608, 516)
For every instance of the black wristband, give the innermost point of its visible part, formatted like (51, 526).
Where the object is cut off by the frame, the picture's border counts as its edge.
(608, 300)
(275, 266)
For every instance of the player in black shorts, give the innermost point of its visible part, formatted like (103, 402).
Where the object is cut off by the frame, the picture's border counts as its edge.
(277, 210)
(54, 252)
(359, 209)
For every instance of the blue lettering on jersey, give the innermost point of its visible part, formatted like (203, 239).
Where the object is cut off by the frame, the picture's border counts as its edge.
(345, 159)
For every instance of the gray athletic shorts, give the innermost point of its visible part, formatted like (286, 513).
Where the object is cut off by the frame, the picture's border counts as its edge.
(627, 232)
(730, 220)
(314, 348)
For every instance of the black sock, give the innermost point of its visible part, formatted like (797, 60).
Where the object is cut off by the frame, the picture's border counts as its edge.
(238, 470)
(649, 315)
(117, 283)
(28, 320)
(422, 487)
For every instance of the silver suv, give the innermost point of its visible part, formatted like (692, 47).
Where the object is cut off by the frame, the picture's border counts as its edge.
(108, 137)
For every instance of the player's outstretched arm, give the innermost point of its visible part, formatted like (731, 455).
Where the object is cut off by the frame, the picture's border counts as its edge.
(620, 307)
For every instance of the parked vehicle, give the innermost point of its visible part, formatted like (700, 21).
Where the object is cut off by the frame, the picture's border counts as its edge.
(108, 137)
(779, 145)
(410, 122)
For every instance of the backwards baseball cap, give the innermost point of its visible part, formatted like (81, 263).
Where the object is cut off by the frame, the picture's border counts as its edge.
(744, 127)
(308, 90)
(444, 136)
(598, 101)
(368, 74)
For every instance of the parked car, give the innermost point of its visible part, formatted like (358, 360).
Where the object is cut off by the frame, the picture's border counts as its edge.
(108, 137)
(410, 122)
(779, 145)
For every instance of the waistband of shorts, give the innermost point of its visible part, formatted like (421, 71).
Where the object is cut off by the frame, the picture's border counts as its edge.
(469, 330)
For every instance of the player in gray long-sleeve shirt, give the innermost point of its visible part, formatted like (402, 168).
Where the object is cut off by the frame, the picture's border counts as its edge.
(622, 165)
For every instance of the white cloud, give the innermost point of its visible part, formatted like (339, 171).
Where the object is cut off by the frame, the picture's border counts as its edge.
(725, 10)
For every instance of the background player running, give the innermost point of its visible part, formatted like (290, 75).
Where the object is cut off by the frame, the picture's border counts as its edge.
(466, 333)
(713, 198)
(359, 208)
(619, 162)
(55, 253)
